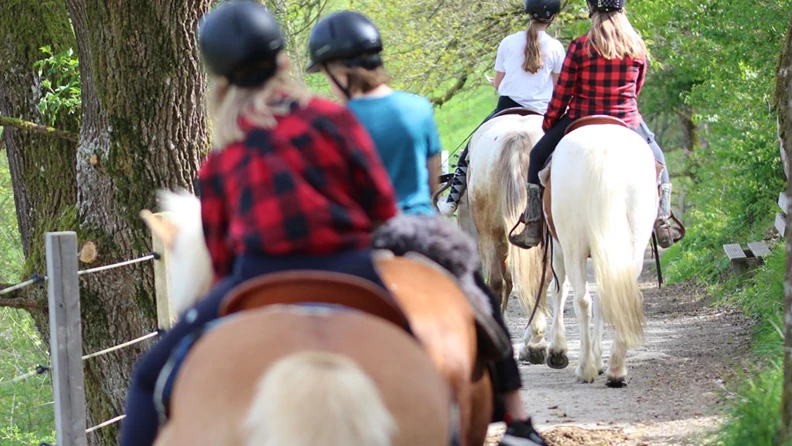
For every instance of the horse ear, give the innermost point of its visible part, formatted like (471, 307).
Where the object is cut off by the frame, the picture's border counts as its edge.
(162, 228)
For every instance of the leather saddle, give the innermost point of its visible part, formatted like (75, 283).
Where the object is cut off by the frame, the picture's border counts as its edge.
(299, 287)
(521, 111)
(313, 287)
(547, 197)
(426, 300)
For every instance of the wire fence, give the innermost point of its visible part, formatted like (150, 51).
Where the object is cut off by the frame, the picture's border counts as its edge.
(42, 369)
(37, 278)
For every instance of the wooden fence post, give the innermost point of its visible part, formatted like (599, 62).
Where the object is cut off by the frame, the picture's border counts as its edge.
(165, 313)
(66, 338)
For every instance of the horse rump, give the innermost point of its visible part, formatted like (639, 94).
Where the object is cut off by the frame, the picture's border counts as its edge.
(337, 402)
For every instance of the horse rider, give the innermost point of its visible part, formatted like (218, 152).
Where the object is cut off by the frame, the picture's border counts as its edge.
(603, 73)
(526, 68)
(293, 182)
(345, 46)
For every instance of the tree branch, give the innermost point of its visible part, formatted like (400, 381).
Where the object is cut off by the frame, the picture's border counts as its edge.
(440, 100)
(21, 303)
(38, 128)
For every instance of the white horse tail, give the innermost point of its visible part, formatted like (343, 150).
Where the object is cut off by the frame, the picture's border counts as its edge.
(314, 398)
(614, 259)
(511, 168)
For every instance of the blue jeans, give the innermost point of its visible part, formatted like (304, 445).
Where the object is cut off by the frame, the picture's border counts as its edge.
(141, 424)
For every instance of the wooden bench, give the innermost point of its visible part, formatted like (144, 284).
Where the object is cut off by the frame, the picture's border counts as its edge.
(742, 259)
(780, 220)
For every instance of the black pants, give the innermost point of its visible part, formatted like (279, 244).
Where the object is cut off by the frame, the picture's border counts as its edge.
(545, 147)
(507, 375)
(504, 102)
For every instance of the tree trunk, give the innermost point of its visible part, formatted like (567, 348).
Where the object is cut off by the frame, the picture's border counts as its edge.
(143, 126)
(42, 167)
(144, 120)
(783, 104)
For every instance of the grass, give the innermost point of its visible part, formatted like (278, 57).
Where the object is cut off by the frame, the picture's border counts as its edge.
(457, 118)
(753, 417)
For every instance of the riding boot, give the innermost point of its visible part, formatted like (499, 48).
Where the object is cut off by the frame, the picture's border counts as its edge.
(531, 234)
(458, 187)
(667, 234)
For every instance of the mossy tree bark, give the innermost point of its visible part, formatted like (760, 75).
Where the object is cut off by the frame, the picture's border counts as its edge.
(42, 168)
(143, 126)
(783, 104)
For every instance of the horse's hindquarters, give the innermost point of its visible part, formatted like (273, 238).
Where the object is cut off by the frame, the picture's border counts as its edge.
(603, 169)
(217, 382)
(604, 202)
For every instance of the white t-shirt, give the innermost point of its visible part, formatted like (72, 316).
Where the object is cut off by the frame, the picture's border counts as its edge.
(528, 89)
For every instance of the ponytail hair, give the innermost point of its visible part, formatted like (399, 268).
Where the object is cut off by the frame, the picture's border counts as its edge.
(613, 37)
(533, 50)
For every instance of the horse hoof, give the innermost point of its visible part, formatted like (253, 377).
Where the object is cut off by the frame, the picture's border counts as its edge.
(536, 356)
(615, 383)
(557, 360)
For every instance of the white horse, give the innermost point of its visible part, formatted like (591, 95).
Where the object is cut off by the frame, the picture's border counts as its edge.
(496, 195)
(604, 202)
(181, 231)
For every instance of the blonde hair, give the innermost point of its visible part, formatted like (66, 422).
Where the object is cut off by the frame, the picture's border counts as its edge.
(533, 49)
(613, 37)
(228, 103)
(359, 79)
(314, 397)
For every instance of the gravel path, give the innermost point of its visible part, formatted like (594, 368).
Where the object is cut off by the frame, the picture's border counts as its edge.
(675, 385)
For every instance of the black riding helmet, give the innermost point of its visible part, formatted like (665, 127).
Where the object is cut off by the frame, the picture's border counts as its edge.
(542, 10)
(606, 5)
(240, 40)
(348, 37)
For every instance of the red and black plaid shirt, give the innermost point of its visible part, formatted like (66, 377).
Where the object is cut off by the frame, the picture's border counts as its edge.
(594, 85)
(313, 185)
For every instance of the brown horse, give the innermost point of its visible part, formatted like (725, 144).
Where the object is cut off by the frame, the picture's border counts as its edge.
(286, 375)
(215, 389)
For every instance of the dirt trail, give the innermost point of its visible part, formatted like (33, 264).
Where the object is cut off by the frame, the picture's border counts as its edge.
(675, 383)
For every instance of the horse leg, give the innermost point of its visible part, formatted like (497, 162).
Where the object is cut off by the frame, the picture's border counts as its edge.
(586, 371)
(508, 283)
(617, 369)
(599, 326)
(497, 275)
(534, 349)
(557, 352)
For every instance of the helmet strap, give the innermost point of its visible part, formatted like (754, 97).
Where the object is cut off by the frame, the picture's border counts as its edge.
(335, 81)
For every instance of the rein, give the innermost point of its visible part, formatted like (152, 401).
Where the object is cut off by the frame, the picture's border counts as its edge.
(656, 254)
(548, 246)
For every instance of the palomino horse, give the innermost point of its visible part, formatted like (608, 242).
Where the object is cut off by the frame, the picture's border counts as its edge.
(602, 202)
(348, 376)
(497, 173)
